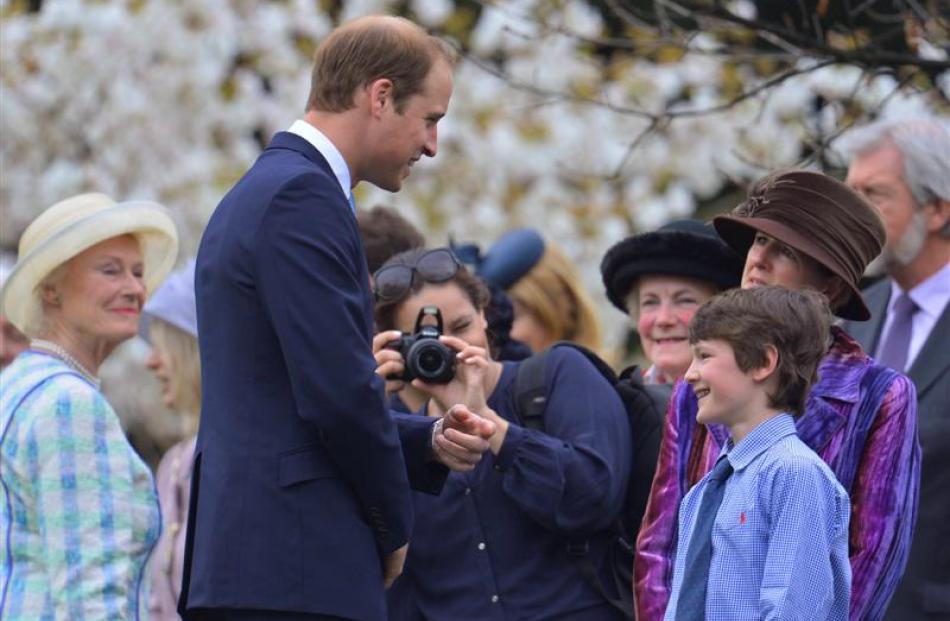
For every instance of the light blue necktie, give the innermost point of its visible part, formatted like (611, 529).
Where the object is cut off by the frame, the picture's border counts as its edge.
(352, 203)
(895, 346)
(691, 605)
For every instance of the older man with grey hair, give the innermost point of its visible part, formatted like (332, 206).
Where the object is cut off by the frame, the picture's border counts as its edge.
(903, 168)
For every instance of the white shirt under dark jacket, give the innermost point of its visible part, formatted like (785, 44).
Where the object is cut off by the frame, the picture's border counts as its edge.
(329, 152)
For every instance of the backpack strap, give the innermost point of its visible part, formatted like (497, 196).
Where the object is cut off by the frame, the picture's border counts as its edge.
(646, 409)
(579, 551)
(530, 393)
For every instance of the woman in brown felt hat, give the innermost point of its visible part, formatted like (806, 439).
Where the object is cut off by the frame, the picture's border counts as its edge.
(806, 230)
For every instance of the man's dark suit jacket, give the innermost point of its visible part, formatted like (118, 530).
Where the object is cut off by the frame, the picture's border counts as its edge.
(299, 485)
(924, 591)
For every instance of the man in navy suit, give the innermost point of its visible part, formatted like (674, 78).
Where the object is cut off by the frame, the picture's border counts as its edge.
(300, 505)
(903, 168)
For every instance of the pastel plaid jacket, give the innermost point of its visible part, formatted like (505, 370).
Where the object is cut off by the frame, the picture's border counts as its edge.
(79, 510)
(861, 419)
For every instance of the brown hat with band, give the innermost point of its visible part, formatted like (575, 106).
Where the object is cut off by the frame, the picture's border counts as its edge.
(816, 215)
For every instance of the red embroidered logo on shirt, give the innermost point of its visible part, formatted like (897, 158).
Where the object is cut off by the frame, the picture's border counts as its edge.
(742, 518)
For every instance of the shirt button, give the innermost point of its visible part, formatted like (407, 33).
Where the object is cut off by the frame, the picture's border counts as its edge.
(468, 491)
(494, 599)
(481, 545)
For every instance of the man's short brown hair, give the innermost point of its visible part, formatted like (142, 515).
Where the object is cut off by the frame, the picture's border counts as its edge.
(796, 323)
(385, 234)
(369, 49)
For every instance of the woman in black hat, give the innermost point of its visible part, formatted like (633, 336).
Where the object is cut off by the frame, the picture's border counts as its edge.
(806, 230)
(660, 279)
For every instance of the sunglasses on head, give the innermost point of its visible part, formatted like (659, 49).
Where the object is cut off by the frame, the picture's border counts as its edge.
(392, 282)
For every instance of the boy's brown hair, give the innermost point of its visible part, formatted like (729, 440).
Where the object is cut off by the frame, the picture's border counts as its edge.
(796, 323)
(368, 49)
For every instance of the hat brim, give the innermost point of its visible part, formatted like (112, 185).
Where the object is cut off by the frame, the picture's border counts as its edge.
(511, 257)
(739, 233)
(149, 222)
(667, 253)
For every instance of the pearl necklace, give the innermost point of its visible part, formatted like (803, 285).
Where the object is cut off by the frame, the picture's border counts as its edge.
(58, 351)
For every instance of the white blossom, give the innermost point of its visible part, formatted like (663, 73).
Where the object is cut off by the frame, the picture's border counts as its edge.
(173, 100)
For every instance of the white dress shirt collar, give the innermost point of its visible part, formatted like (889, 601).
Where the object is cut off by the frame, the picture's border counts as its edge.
(328, 150)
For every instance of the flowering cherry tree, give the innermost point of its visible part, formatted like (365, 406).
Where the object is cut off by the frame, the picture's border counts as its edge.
(556, 122)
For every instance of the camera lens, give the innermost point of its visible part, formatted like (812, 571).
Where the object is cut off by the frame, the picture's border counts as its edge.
(431, 361)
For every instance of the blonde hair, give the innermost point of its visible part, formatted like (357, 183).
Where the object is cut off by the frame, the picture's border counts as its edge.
(180, 351)
(552, 291)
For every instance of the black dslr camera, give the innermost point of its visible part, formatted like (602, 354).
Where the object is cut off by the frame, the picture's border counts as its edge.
(424, 356)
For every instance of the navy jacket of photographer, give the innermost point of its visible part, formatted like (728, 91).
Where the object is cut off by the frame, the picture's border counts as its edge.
(493, 545)
(299, 486)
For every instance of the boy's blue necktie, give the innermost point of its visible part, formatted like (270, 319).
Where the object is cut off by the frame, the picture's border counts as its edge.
(352, 204)
(691, 605)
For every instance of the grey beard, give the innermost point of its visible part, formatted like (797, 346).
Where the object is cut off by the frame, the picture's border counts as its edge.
(902, 253)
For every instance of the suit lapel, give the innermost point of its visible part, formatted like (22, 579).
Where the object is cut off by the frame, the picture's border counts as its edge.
(934, 358)
(293, 142)
(868, 333)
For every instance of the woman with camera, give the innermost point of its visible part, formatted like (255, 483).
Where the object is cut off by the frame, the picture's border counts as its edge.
(494, 544)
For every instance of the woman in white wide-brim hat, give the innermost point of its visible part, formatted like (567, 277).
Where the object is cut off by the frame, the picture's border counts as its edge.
(79, 512)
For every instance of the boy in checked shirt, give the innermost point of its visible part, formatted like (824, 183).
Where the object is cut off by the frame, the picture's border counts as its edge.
(764, 535)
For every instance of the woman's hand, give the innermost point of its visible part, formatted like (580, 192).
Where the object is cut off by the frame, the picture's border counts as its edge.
(389, 362)
(468, 385)
(460, 438)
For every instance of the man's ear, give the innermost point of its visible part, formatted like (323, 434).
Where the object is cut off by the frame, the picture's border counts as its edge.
(764, 372)
(380, 95)
(938, 216)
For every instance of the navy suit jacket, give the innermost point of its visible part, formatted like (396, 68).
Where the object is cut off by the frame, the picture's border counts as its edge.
(299, 486)
(924, 591)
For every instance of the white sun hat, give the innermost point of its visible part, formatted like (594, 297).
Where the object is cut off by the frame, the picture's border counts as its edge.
(73, 225)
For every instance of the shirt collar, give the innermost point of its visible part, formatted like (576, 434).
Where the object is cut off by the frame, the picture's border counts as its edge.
(840, 371)
(758, 441)
(654, 376)
(327, 149)
(931, 296)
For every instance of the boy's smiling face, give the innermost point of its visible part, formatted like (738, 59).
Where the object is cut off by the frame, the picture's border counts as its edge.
(725, 392)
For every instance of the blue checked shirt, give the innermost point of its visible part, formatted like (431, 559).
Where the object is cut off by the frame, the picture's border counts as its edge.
(780, 538)
(78, 509)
